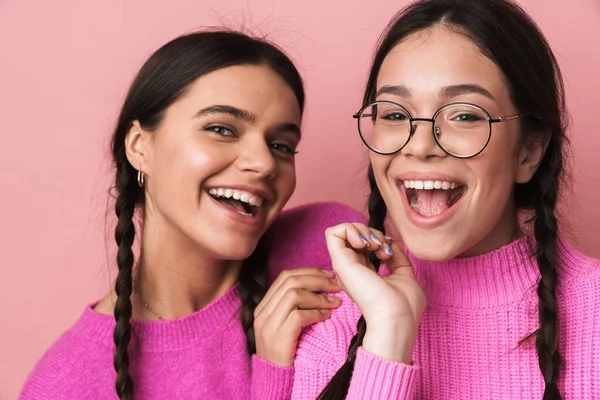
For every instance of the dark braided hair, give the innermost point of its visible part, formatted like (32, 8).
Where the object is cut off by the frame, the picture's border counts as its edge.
(162, 80)
(508, 36)
(377, 215)
(254, 282)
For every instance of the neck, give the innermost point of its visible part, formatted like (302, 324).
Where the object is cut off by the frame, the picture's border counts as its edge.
(507, 230)
(175, 278)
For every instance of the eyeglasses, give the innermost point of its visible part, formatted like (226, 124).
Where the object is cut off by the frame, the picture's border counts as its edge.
(462, 130)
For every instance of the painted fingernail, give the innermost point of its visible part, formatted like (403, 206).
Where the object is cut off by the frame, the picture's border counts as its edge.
(375, 239)
(325, 312)
(365, 241)
(387, 249)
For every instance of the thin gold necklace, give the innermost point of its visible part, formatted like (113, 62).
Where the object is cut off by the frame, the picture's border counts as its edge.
(143, 302)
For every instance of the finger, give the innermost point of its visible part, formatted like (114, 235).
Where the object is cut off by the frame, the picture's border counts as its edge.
(312, 283)
(342, 236)
(398, 263)
(298, 319)
(295, 299)
(373, 236)
(283, 276)
(383, 252)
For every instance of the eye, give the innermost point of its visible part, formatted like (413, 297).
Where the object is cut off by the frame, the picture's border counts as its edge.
(284, 148)
(467, 117)
(220, 130)
(395, 116)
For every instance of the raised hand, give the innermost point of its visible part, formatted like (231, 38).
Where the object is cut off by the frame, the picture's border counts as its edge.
(392, 305)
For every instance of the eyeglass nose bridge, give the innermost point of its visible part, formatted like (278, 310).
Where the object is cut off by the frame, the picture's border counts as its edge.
(413, 127)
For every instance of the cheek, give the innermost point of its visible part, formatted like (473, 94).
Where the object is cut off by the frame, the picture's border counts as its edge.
(381, 166)
(286, 182)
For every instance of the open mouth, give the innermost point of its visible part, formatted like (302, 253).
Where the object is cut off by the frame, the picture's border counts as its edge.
(432, 198)
(242, 202)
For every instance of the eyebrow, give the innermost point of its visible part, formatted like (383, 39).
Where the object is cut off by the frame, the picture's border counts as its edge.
(237, 113)
(447, 92)
(247, 116)
(396, 90)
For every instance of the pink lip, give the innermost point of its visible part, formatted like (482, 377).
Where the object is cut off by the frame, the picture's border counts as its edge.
(421, 221)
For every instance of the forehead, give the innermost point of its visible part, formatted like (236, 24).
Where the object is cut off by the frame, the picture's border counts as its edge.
(438, 57)
(254, 88)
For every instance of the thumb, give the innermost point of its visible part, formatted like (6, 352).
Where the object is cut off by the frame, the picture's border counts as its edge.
(398, 263)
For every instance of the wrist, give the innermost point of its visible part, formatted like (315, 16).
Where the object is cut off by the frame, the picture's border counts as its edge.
(392, 341)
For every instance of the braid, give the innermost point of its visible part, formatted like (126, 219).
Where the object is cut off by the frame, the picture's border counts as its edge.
(546, 231)
(338, 386)
(253, 284)
(124, 236)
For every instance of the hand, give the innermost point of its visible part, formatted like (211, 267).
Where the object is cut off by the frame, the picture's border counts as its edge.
(392, 306)
(289, 305)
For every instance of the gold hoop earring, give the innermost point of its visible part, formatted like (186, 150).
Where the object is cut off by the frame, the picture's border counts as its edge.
(140, 179)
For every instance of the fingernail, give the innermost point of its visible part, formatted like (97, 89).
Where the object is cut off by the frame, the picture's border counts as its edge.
(387, 249)
(388, 237)
(328, 272)
(325, 312)
(375, 239)
(331, 299)
(365, 241)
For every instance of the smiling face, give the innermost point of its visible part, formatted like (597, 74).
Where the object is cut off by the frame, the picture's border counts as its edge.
(220, 166)
(445, 206)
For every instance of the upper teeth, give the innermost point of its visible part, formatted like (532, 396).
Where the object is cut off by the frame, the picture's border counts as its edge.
(240, 195)
(430, 185)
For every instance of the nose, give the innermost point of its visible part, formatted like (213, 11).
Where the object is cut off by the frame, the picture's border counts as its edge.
(256, 157)
(422, 144)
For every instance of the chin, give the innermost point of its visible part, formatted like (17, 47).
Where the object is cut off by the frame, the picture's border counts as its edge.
(428, 246)
(235, 248)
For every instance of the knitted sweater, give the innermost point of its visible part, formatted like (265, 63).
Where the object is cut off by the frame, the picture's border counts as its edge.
(478, 309)
(201, 356)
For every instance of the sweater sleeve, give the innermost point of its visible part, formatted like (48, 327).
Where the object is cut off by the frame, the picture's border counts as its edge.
(323, 350)
(270, 381)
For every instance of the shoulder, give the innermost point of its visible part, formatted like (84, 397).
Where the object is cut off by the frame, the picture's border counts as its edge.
(579, 275)
(578, 294)
(297, 237)
(315, 218)
(74, 366)
(327, 341)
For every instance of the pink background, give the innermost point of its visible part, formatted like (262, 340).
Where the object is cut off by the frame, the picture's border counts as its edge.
(64, 70)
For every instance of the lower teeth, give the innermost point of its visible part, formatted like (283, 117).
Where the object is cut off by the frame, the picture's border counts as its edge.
(414, 203)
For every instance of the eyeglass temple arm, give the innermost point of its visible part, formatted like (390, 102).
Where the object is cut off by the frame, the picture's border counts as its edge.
(356, 115)
(508, 118)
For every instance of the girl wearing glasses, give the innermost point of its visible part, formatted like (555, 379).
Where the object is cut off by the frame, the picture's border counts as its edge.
(464, 116)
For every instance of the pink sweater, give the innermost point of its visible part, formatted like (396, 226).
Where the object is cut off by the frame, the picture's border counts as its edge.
(202, 356)
(467, 348)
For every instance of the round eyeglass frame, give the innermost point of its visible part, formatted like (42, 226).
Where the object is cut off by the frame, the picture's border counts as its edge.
(413, 128)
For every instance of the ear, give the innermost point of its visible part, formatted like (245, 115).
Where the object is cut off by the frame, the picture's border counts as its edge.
(530, 156)
(137, 147)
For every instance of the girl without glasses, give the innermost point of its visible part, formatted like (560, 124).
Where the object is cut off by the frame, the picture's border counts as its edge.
(204, 151)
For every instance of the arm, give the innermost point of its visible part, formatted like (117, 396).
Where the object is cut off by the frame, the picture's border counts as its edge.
(323, 349)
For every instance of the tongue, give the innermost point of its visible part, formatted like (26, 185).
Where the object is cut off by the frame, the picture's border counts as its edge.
(235, 205)
(431, 202)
